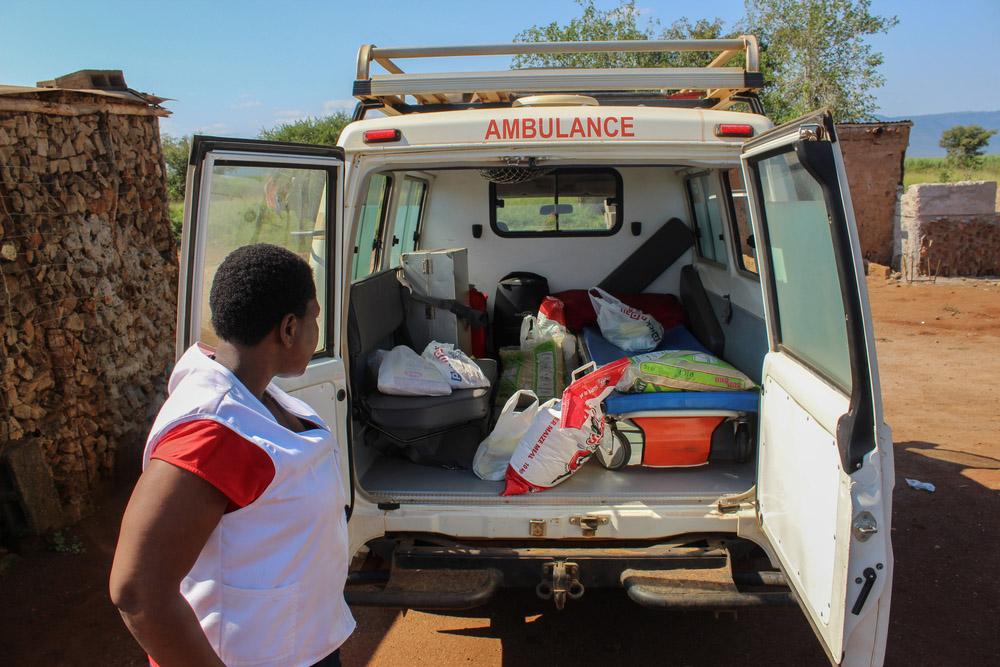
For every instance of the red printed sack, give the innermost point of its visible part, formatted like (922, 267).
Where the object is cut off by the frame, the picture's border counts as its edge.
(564, 434)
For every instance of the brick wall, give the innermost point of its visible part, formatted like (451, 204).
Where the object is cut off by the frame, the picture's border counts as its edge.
(873, 157)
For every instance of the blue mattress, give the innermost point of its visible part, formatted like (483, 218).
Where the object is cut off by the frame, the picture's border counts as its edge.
(677, 338)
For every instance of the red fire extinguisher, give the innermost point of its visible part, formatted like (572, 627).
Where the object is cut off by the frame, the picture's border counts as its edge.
(477, 301)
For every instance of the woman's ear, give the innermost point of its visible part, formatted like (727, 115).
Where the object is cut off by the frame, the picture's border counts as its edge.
(288, 330)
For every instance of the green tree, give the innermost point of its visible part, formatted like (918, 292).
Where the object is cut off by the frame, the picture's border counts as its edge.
(324, 130)
(965, 144)
(815, 53)
(175, 154)
(622, 22)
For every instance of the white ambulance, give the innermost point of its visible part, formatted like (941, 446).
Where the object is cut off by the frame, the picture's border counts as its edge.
(649, 182)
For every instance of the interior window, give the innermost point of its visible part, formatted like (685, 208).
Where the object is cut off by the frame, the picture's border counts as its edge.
(562, 202)
(265, 204)
(407, 223)
(707, 217)
(372, 215)
(746, 254)
(811, 312)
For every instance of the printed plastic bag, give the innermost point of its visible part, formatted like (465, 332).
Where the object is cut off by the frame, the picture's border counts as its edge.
(493, 456)
(681, 370)
(403, 372)
(540, 369)
(624, 326)
(563, 434)
(460, 371)
(590, 386)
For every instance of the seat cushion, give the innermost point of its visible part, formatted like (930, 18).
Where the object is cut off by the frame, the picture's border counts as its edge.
(413, 415)
(736, 401)
(602, 351)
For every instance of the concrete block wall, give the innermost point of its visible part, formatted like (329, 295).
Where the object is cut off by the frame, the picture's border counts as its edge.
(950, 229)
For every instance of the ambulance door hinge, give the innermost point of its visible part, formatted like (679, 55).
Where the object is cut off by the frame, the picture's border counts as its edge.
(733, 504)
(726, 507)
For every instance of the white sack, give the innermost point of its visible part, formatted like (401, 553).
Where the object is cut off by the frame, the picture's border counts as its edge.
(457, 368)
(403, 372)
(548, 454)
(624, 326)
(493, 455)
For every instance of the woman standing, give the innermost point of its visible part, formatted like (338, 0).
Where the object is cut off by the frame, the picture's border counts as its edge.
(233, 548)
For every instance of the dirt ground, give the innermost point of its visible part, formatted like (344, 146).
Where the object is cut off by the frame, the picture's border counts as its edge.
(938, 354)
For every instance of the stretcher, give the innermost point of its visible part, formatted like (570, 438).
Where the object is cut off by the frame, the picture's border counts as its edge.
(677, 428)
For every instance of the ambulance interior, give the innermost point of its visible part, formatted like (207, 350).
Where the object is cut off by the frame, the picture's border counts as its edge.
(650, 230)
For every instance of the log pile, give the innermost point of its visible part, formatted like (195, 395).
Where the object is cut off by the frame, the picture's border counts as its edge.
(88, 274)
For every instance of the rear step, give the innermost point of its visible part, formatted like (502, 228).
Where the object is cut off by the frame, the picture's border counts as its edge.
(408, 588)
(706, 588)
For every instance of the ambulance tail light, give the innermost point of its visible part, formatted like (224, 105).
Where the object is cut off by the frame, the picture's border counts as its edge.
(382, 136)
(733, 130)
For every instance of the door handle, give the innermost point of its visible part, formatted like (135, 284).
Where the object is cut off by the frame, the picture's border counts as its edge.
(866, 589)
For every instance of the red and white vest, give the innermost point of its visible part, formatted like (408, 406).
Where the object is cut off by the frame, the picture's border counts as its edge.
(268, 588)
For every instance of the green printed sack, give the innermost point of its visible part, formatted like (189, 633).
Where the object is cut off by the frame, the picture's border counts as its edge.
(540, 369)
(681, 370)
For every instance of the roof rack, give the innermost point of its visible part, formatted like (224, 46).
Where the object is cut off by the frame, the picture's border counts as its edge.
(714, 86)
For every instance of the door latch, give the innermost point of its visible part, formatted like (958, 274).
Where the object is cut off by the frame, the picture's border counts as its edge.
(864, 526)
(589, 523)
(811, 132)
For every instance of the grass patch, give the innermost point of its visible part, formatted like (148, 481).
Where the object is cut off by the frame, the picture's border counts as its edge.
(936, 170)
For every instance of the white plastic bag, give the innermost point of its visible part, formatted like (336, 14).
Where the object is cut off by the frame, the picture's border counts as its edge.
(458, 369)
(493, 455)
(624, 326)
(403, 372)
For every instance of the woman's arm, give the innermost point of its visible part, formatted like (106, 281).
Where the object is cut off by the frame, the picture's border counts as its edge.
(168, 520)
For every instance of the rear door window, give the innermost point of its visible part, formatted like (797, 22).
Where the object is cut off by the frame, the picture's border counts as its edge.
(261, 203)
(704, 199)
(811, 311)
(560, 202)
(372, 216)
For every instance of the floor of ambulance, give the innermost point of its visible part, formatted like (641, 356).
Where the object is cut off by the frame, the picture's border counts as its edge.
(401, 480)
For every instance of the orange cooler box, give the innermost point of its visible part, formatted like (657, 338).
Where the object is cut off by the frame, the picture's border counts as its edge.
(671, 441)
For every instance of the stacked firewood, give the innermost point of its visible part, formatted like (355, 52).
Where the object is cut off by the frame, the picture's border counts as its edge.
(88, 275)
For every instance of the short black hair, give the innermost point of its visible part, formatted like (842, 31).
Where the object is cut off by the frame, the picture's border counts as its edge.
(254, 288)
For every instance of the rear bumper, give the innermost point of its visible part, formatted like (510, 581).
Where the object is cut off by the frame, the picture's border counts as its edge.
(437, 574)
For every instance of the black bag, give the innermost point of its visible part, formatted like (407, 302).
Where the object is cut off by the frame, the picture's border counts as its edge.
(519, 294)
(453, 449)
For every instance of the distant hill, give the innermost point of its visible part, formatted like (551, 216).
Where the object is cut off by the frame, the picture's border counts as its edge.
(926, 132)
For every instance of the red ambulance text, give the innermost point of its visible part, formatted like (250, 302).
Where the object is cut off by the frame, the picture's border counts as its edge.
(561, 128)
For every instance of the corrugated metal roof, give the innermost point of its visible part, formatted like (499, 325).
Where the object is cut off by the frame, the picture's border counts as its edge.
(128, 96)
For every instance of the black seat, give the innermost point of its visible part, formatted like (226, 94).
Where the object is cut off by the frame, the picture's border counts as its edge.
(376, 318)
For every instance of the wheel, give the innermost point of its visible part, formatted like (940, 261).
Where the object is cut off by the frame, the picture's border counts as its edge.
(616, 452)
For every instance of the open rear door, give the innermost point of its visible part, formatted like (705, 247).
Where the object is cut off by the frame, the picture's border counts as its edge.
(243, 191)
(825, 472)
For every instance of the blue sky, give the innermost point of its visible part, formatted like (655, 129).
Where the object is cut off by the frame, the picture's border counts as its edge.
(235, 67)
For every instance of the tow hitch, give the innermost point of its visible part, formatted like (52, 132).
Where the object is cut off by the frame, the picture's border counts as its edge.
(559, 580)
